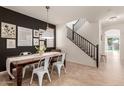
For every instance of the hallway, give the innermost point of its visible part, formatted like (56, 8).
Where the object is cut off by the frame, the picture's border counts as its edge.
(113, 68)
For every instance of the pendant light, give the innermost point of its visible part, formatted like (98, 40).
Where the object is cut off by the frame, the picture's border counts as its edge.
(47, 27)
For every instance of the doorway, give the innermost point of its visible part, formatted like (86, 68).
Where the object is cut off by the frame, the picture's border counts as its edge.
(112, 45)
(112, 40)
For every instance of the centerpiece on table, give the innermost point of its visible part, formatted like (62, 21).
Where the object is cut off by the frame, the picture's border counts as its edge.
(40, 49)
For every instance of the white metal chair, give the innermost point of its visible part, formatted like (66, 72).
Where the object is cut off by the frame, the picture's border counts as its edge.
(25, 53)
(59, 64)
(27, 66)
(40, 71)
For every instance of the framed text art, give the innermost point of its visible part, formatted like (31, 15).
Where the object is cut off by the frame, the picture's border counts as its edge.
(11, 43)
(24, 36)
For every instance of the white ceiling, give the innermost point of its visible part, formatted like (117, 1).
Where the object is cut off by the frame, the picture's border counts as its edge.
(112, 33)
(64, 14)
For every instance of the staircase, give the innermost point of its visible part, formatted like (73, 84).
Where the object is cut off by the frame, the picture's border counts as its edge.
(89, 48)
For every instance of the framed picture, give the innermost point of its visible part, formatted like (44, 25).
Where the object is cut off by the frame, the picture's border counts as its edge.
(11, 43)
(24, 36)
(42, 42)
(41, 31)
(40, 37)
(36, 33)
(8, 30)
(36, 41)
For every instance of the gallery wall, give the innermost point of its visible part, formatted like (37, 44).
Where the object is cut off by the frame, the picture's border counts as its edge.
(20, 20)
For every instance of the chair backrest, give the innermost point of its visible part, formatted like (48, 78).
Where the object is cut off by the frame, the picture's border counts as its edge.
(45, 62)
(63, 57)
(25, 53)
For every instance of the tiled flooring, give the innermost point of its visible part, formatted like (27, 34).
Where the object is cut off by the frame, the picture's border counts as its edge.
(109, 73)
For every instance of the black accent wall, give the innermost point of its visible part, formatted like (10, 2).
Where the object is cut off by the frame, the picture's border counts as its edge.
(18, 19)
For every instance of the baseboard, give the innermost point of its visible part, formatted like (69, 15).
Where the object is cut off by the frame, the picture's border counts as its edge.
(80, 63)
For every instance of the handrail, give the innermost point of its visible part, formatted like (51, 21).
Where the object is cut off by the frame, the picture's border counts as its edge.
(84, 38)
(89, 48)
(76, 22)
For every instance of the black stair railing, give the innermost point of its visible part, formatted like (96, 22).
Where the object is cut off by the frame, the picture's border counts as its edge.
(89, 48)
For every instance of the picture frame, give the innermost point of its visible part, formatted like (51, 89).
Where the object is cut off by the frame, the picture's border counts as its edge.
(36, 42)
(11, 43)
(8, 30)
(24, 36)
(40, 37)
(36, 33)
(41, 31)
(42, 42)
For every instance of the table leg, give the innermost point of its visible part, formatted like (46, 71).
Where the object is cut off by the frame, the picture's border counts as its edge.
(65, 63)
(19, 75)
(11, 71)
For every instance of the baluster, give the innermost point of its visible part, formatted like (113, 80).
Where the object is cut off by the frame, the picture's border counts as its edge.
(71, 35)
(91, 50)
(97, 56)
(88, 48)
(74, 37)
(94, 53)
(82, 45)
(77, 39)
(80, 41)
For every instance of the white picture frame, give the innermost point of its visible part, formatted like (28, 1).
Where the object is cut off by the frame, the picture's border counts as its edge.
(40, 37)
(8, 30)
(11, 43)
(36, 33)
(42, 42)
(36, 42)
(24, 36)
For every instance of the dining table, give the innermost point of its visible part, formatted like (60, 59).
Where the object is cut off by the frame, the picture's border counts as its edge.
(19, 62)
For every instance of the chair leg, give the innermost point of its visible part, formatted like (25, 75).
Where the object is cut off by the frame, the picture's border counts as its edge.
(49, 76)
(64, 68)
(24, 69)
(52, 69)
(40, 79)
(59, 70)
(31, 78)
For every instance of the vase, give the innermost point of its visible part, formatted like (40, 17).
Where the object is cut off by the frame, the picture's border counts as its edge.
(41, 52)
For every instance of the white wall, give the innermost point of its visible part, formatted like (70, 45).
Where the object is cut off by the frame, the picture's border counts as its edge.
(121, 28)
(90, 31)
(70, 24)
(75, 54)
